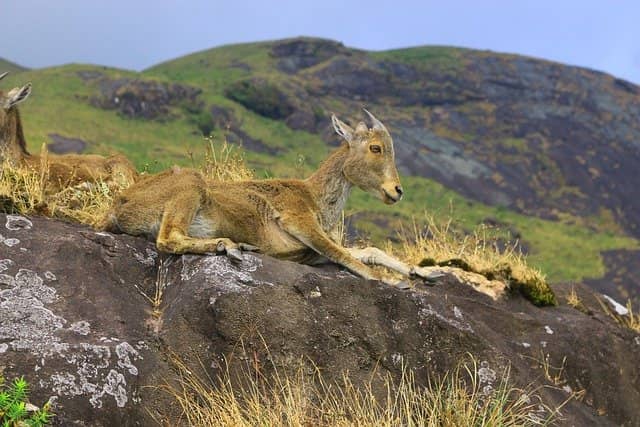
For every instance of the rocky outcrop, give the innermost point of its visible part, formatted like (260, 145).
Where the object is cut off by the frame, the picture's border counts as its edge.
(64, 145)
(297, 54)
(262, 97)
(144, 99)
(75, 320)
(275, 101)
(622, 278)
(220, 118)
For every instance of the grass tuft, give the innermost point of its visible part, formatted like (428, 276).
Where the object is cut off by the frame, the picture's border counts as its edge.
(483, 251)
(304, 398)
(573, 300)
(24, 190)
(15, 409)
(225, 162)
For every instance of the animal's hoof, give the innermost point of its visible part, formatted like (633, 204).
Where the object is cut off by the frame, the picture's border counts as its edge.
(230, 249)
(403, 285)
(248, 247)
(234, 254)
(428, 276)
(221, 248)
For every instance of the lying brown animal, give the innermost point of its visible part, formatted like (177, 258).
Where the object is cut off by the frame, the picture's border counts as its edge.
(63, 170)
(286, 218)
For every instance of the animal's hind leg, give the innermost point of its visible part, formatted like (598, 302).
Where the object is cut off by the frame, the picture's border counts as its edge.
(176, 219)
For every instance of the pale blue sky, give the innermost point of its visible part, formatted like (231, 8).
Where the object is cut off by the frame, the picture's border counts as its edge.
(136, 34)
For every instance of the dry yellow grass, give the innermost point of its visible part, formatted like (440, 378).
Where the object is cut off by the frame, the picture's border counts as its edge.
(573, 300)
(24, 190)
(306, 399)
(225, 162)
(482, 251)
(21, 189)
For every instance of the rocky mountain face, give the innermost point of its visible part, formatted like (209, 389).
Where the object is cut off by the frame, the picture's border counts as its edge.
(139, 99)
(534, 136)
(75, 320)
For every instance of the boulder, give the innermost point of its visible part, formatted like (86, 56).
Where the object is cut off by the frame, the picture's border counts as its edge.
(287, 102)
(297, 54)
(145, 99)
(262, 97)
(77, 320)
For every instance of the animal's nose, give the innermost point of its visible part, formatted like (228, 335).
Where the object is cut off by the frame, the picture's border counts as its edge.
(399, 190)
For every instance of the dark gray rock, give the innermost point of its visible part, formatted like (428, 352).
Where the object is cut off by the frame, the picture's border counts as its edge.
(76, 323)
(144, 99)
(63, 145)
(297, 54)
(261, 96)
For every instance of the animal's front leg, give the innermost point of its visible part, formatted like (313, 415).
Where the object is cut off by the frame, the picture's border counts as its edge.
(375, 256)
(312, 236)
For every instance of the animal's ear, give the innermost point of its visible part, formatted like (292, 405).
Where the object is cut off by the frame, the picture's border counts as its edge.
(342, 129)
(17, 95)
(3, 75)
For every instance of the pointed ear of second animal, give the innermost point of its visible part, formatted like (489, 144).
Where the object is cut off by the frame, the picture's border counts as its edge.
(17, 95)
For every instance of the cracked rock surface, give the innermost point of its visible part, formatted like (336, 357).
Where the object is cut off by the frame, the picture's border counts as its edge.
(76, 320)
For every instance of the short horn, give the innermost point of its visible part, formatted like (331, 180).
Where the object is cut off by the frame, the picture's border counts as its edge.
(377, 124)
(3, 75)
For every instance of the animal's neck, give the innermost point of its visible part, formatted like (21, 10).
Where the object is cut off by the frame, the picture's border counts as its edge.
(331, 188)
(12, 139)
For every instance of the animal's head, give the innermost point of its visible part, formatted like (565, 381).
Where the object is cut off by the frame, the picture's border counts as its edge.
(11, 135)
(11, 99)
(371, 163)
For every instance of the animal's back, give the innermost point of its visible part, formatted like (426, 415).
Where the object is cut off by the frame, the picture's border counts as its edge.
(138, 209)
(72, 169)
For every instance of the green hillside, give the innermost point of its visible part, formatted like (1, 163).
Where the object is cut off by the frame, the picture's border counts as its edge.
(243, 94)
(10, 66)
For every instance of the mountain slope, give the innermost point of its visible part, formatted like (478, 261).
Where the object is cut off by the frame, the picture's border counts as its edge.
(540, 148)
(10, 66)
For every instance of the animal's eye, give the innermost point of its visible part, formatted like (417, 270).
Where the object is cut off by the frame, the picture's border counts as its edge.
(375, 149)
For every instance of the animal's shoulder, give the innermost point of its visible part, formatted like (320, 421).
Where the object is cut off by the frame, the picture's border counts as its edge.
(169, 182)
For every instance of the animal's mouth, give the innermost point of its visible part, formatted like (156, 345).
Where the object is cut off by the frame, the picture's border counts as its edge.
(388, 199)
